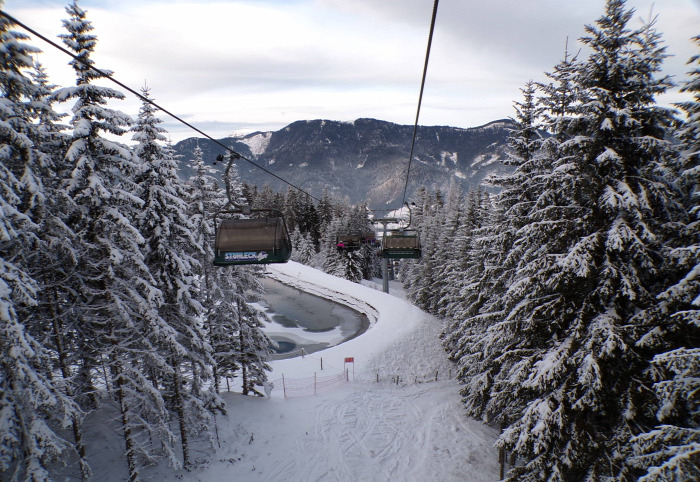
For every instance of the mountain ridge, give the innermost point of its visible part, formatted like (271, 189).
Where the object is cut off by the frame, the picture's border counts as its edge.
(364, 160)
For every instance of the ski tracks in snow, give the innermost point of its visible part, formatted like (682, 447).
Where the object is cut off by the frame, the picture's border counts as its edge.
(407, 434)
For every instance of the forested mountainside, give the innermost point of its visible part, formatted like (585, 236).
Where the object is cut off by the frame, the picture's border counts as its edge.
(364, 160)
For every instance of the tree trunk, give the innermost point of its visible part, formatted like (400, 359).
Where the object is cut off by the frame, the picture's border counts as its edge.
(180, 410)
(215, 374)
(65, 373)
(124, 409)
(244, 369)
(119, 383)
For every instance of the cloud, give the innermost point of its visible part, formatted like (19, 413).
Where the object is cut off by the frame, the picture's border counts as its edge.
(270, 62)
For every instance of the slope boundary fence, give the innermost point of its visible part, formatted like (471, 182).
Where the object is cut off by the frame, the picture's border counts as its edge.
(310, 386)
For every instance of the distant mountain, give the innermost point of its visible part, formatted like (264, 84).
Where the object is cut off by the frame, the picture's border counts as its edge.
(364, 160)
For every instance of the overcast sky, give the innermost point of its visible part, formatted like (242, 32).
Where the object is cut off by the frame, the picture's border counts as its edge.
(227, 65)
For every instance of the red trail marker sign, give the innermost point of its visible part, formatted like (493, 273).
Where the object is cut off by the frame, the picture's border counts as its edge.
(351, 359)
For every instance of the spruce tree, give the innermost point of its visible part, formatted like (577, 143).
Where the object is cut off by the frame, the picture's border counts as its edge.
(466, 272)
(484, 344)
(32, 406)
(670, 448)
(253, 347)
(54, 257)
(171, 247)
(114, 303)
(217, 286)
(557, 365)
(325, 210)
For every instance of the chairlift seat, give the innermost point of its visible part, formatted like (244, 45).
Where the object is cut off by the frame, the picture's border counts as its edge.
(252, 241)
(401, 247)
(348, 242)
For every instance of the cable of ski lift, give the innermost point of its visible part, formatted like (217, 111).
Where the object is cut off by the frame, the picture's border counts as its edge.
(402, 246)
(420, 98)
(150, 101)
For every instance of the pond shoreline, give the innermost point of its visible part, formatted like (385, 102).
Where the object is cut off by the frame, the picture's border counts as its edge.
(304, 323)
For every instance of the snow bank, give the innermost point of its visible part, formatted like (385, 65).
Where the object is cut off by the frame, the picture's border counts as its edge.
(401, 339)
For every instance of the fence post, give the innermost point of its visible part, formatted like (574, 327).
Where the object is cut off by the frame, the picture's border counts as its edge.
(436, 375)
(502, 458)
(321, 363)
(314, 383)
(377, 377)
(284, 387)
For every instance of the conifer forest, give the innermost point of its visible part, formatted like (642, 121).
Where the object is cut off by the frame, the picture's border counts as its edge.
(569, 286)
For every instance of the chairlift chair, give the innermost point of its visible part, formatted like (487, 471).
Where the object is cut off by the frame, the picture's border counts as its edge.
(262, 239)
(369, 240)
(401, 245)
(348, 242)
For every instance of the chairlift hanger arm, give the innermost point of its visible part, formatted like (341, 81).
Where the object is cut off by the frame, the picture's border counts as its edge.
(227, 179)
(386, 221)
(410, 215)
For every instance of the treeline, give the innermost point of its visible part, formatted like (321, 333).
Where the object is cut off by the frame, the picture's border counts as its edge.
(315, 227)
(572, 297)
(108, 295)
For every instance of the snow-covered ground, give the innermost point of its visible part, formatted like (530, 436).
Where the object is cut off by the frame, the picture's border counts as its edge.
(359, 430)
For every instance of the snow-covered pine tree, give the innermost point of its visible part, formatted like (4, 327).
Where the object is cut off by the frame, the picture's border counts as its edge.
(466, 271)
(22, 159)
(332, 259)
(54, 256)
(290, 208)
(32, 406)
(352, 264)
(114, 310)
(671, 449)
(250, 192)
(420, 276)
(217, 286)
(295, 238)
(370, 263)
(485, 342)
(307, 250)
(267, 199)
(588, 248)
(253, 347)
(325, 210)
(451, 251)
(92, 169)
(307, 217)
(303, 250)
(171, 248)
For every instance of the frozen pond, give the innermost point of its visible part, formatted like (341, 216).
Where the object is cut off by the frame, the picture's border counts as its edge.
(300, 320)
